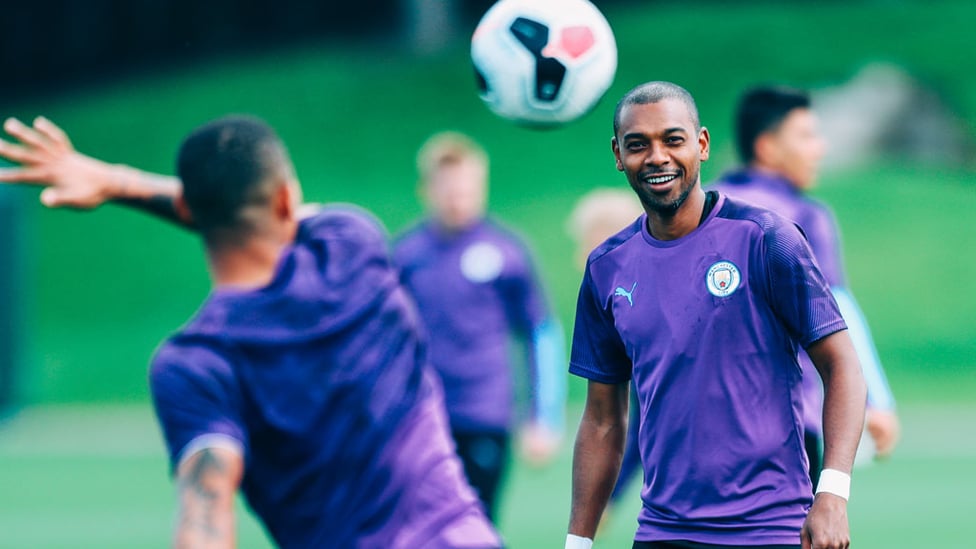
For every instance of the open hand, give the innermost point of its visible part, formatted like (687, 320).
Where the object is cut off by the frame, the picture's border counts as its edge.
(885, 430)
(539, 444)
(47, 158)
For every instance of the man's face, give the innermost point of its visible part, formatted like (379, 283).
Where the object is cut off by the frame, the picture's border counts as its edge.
(795, 148)
(456, 194)
(660, 152)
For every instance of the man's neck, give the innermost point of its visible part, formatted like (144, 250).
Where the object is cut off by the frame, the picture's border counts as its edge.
(451, 230)
(682, 222)
(246, 267)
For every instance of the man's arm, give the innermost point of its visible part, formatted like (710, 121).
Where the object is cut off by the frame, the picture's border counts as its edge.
(597, 455)
(541, 437)
(207, 483)
(826, 526)
(882, 420)
(74, 180)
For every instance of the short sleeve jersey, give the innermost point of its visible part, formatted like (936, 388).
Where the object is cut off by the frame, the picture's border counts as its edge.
(474, 289)
(319, 379)
(708, 326)
(820, 227)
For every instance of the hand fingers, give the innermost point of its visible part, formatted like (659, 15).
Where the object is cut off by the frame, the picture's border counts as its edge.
(24, 134)
(56, 198)
(51, 131)
(885, 436)
(820, 543)
(51, 198)
(33, 176)
(883, 447)
(17, 153)
(805, 541)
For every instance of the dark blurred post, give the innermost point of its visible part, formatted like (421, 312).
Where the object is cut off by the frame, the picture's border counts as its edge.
(431, 27)
(11, 303)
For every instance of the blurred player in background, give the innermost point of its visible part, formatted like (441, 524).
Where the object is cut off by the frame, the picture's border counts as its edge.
(704, 301)
(596, 216)
(781, 148)
(476, 287)
(301, 380)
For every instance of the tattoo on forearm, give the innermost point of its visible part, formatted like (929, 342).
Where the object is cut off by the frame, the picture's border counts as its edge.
(154, 195)
(161, 206)
(200, 498)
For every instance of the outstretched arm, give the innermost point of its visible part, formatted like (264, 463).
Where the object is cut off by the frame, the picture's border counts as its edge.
(826, 526)
(596, 458)
(207, 483)
(47, 158)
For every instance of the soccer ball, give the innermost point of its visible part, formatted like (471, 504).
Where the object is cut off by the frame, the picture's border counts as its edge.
(543, 62)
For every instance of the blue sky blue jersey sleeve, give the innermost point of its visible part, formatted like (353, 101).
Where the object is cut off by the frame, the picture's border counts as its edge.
(598, 353)
(529, 316)
(799, 293)
(549, 347)
(879, 392)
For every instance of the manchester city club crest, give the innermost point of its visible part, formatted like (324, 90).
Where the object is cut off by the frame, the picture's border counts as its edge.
(722, 279)
(482, 262)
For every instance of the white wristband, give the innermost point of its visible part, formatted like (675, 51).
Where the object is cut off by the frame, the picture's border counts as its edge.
(578, 542)
(835, 482)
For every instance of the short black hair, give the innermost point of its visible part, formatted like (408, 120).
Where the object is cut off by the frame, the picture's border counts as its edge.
(762, 109)
(652, 92)
(226, 166)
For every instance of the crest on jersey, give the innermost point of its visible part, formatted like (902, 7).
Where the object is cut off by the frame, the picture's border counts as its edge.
(722, 279)
(482, 262)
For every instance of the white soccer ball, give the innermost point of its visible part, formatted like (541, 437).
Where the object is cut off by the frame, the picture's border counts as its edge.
(543, 62)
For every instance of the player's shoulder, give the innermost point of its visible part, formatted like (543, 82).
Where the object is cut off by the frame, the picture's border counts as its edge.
(780, 237)
(615, 243)
(342, 220)
(414, 245)
(764, 219)
(504, 236)
(821, 211)
(188, 359)
(730, 181)
(415, 236)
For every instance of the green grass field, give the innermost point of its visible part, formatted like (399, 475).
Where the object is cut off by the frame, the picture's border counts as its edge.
(82, 465)
(95, 477)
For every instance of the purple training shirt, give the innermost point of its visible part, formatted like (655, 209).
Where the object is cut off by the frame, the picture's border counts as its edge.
(708, 325)
(820, 227)
(319, 380)
(474, 289)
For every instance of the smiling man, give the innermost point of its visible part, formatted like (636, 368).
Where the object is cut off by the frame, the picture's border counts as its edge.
(717, 298)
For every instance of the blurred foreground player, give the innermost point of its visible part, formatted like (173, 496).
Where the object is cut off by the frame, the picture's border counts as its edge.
(476, 289)
(781, 147)
(301, 378)
(704, 301)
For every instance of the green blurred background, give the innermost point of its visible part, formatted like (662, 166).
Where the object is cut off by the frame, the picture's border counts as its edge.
(81, 464)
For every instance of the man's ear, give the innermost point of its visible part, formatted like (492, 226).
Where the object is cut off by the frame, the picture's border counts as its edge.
(764, 148)
(616, 153)
(284, 200)
(704, 142)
